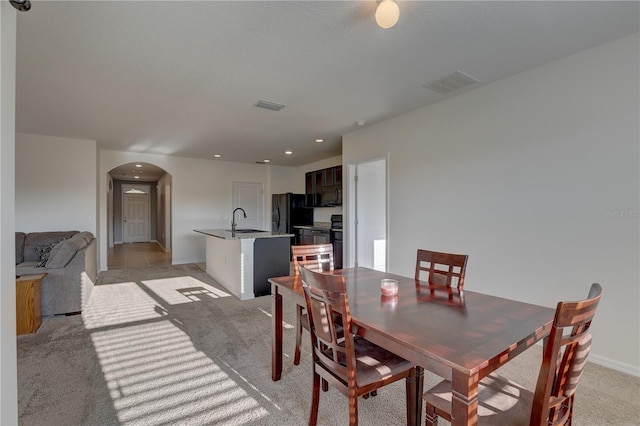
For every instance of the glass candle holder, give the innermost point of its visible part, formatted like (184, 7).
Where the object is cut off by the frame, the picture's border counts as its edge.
(389, 287)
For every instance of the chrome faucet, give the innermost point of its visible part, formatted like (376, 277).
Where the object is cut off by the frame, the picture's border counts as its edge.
(233, 219)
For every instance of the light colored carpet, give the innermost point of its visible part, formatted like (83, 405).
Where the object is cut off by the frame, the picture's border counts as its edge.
(168, 346)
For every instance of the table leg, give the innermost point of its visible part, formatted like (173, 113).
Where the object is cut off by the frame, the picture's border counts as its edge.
(414, 396)
(464, 403)
(276, 333)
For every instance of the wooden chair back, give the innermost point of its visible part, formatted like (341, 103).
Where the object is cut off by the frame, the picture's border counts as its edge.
(332, 341)
(316, 257)
(565, 355)
(441, 268)
(355, 366)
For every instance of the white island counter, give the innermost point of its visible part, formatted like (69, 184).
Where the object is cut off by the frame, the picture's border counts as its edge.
(243, 263)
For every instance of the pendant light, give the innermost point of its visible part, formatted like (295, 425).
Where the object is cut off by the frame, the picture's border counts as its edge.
(21, 5)
(387, 14)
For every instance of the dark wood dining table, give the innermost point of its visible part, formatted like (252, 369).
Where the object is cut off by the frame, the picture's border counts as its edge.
(459, 335)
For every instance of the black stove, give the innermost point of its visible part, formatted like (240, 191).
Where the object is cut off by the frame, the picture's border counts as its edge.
(336, 221)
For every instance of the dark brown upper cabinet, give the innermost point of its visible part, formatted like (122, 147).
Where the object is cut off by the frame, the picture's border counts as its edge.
(324, 187)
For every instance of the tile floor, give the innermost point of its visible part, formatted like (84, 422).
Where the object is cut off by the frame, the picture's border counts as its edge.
(137, 255)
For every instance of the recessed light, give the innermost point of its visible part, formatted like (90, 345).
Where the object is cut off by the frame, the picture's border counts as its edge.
(217, 155)
(288, 152)
(360, 123)
(266, 161)
(138, 165)
(319, 140)
(136, 177)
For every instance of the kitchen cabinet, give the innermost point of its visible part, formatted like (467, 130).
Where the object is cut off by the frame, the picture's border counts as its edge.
(313, 236)
(324, 187)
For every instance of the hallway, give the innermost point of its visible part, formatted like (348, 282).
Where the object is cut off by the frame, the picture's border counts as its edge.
(137, 255)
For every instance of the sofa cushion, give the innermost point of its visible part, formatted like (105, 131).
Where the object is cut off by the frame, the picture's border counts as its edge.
(43, 252)
(36, 239)
(64, 251)
(20, 247)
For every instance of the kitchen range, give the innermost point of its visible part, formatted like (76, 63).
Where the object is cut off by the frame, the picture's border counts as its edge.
(323, 233)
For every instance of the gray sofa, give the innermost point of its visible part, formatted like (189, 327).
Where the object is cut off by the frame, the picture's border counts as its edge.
(68, 258)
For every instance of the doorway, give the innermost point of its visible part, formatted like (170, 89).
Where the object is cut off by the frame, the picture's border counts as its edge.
(250, 197)
(139, 198)
(367, 208)
(135, 213)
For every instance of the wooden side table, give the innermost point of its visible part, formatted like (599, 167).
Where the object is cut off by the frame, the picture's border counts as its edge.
(28, 303)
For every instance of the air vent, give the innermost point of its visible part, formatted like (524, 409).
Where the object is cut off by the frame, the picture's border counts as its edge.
(453, 81)
(271, 106)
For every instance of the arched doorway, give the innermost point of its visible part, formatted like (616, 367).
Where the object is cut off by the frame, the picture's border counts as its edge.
(138, 211)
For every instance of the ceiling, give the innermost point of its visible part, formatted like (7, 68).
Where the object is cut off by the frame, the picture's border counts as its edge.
(140, 172)
(181, 78)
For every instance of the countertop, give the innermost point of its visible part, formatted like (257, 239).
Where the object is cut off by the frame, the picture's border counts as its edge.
(318, 226)
(226, 234)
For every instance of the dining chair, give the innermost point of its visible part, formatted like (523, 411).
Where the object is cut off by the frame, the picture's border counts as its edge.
(316, 257)
(504, 402)
(355, 366)
(441, 268)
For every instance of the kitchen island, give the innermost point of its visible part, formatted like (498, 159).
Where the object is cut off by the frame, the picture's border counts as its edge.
(242, 262)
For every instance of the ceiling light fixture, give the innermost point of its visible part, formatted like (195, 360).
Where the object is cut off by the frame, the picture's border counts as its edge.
(21, 5)
(266, 161)
(217, 155)
(319, 140)
(288, 152)
(387, 14)
(138, 165)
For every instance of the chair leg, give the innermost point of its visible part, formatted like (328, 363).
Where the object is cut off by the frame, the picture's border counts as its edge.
(315, 400)
(296, 354)
(353, 408)
(431, 418)
(325, 385)
(570, 419)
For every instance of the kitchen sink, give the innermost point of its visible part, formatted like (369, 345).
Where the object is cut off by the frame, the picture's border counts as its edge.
(246, 231)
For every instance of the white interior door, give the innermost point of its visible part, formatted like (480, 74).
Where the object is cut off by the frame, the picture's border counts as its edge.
(249, 196)
(370, 211)
(135, 217)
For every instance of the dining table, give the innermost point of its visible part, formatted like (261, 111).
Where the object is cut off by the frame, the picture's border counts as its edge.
(459, 335)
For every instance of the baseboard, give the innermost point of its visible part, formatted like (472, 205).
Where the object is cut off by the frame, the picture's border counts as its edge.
(160, 244)
(615, 365)
(117, 242)
(186, 261)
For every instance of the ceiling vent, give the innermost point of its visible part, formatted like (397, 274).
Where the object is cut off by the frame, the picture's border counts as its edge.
(453, 81)
(271, 106)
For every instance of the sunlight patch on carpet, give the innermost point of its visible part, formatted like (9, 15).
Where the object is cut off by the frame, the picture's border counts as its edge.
(156, 376)
(285, 324)
(185, 289)
(121, 303)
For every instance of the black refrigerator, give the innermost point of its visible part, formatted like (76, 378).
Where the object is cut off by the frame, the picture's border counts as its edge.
(288, 210)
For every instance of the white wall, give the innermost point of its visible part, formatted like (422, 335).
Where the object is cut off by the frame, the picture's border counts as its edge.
(8, 360)
(528, 176)
(55, 184)
(284, 179)
(201, 197)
